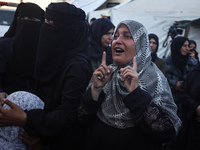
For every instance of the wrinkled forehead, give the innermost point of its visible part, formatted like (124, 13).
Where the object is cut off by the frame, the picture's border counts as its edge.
(136, 29)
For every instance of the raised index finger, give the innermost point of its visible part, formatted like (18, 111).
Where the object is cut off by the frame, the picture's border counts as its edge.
(134, 64)
(103, 61)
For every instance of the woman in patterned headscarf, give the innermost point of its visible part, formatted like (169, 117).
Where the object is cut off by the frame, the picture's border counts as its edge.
(129, 102)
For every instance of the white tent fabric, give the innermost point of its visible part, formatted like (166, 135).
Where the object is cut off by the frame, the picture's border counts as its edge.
(158, 15)
(87, 6)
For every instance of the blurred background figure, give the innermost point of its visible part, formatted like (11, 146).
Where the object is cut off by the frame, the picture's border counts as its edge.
(189, 135)
(92, 20)
(179, 65)
(101, 32)
(154, 43)
(18, 50)
(193, 50)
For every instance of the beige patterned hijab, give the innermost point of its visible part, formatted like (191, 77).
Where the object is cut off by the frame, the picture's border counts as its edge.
(151, 79)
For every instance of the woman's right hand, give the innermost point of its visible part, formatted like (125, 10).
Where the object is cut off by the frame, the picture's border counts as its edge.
(100, 77)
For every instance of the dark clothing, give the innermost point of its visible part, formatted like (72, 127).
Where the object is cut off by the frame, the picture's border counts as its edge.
(99, 28)
(189, 135)
(57, 123)
(10, 81)
(153, 132)
(30, 10)
(97, 51)
(25, 34)
(18, 50)
(179, 60)
(173, 75)
(63, 71)
(161, 64)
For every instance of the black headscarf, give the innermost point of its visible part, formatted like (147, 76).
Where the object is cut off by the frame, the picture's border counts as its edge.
(154, 54)
(62, 43)
(100, 27)
(26, 35)
(196, 53)
(192, 42)
(178, 59)
(30, 10)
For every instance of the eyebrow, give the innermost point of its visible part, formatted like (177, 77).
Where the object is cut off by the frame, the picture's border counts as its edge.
(124, 32)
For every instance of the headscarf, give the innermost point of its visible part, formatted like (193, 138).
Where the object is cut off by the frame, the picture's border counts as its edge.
(26, 35)
(196, 53)
(59, 44)
(154, 54)
(178, 59)
(192, 42)
(99, 28)
(151, 79)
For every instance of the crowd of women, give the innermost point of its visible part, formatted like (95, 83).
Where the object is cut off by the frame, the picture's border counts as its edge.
(67, 85)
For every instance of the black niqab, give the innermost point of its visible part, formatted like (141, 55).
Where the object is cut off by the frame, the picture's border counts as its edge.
(62, 43)
(178, 59)
(26, 35)
(24, 10)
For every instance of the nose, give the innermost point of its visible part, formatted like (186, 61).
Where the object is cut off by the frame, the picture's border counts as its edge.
(187, 48)
(110, 37)
(118, 40)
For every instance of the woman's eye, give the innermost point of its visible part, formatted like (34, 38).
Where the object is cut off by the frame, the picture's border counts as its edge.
(115, 37)
(128, 37)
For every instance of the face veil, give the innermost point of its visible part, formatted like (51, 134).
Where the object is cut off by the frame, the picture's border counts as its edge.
(61, 42)
(25, 35)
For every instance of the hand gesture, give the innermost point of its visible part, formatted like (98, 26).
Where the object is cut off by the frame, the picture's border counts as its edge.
(12, 117)
(130, 76)
(100, 77)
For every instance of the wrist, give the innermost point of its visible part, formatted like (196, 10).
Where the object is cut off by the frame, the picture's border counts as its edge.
(95, 92)
(23, 119)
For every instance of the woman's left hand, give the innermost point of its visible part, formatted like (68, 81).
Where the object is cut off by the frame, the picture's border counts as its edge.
(12, 117)
(130, 76)
(33, 141)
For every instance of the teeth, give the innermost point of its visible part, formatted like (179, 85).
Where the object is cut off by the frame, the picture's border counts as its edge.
(119, 50)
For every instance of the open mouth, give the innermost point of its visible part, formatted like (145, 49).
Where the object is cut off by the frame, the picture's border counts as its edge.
(119, 50)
